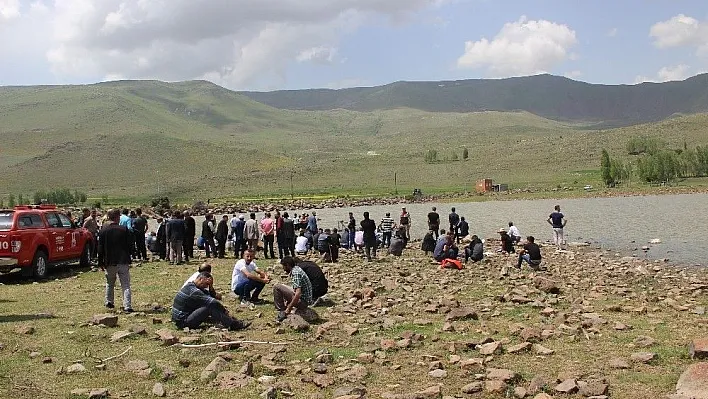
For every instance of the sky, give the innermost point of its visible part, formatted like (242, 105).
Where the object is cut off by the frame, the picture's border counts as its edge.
(293, 44)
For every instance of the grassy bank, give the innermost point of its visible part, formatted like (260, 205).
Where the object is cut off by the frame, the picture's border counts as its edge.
(606, 305)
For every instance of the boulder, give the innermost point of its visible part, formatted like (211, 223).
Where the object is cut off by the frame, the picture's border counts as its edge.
(568, 386)
(490, 348)
(473, 387)
(643, 357)
(693, 383)
(120, 335)
(166, 336)
(461, 314)
(297, 322)
(76, 368)
(213, 368)
(698, 348)
(546, 285)
(158, 390)
(502, 375)
(106, 319)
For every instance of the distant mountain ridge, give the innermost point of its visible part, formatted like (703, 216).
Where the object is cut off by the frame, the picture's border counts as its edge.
(548, 96)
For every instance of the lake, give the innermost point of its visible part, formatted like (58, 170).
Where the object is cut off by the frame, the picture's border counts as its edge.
(619, 223)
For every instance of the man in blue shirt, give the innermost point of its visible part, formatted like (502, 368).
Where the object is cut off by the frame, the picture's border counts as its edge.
(312, 223)
(557, 221)
(445, 247)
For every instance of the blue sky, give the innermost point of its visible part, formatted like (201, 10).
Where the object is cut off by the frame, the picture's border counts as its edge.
(287, 44)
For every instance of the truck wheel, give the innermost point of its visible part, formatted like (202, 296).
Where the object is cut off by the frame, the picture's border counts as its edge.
(85, 260)
(40, 267)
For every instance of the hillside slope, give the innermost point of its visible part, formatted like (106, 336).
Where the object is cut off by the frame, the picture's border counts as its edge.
(548, 96)
(195, 140)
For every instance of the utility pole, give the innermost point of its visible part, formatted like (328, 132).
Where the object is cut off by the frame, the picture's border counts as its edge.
(395, 181)
(157, 171)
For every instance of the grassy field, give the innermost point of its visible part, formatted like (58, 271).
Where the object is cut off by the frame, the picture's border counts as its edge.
(194, 140)
(411, 295)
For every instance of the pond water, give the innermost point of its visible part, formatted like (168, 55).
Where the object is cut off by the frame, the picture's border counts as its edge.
(618, 223)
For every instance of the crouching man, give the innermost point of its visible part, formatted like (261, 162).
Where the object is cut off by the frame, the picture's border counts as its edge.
(193, 306)
(296, 297)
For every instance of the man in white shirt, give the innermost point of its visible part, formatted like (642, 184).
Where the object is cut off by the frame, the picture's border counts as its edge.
(247, 280)
(514, 233)
(204, 267)
(301, 243)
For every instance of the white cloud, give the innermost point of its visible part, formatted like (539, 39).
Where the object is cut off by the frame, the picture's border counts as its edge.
(667, 74)
(681, 31)
(573, 74)
(319, 54)
(612, 32)
(520, 48)
(238, 43)
(9, 9)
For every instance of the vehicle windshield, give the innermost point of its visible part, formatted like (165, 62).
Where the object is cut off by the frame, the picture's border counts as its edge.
(5, 220)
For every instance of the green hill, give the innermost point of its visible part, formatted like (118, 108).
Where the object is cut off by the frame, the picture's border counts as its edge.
(196, 140)
(548, 96)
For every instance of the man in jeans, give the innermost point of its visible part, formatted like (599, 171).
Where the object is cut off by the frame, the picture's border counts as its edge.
(557, 221)
(267, 227)
(247, 280)
(387, 226)
(352, 231)
(299, 297)
(531, 254)
(91, 224)
(114, 245)
(193, 306)
(175, 236)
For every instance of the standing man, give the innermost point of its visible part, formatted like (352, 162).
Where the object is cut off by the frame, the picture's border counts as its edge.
(454, 220)
(279, 237)
(91, 224)
(368, 227)
(250, 232)
(247, 280)
(297, 297)
(463, 229)
(405, 222)
(288, 235)
(557, 221)
(140, 227)
(161, 239)
(222, 233)
(238, 237)
(352, 231)
(114, 246)
(268, 231)
(208, 229)
(312, 223)
(190, 228)
(434, 222)
(176, 233)
(387, 226)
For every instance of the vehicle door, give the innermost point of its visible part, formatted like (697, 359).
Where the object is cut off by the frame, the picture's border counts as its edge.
(57, 236)
(30, 234)
(71, 237)
(6, 222)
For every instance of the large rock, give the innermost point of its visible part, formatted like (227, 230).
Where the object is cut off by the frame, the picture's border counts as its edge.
(159, 390)
(213, 368)
(167, 337)
(106, 319)
(473, 387)
(490, 348)
(76, 368)
(546, 285)
(461, 314)
(698, 348)
(297, 322)
(120, 335)
(568, 386)
(693, 383)
(502, 375)
(232, 380)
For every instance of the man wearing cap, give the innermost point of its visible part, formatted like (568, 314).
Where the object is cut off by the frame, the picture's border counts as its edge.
(405, 222)
(507, 244)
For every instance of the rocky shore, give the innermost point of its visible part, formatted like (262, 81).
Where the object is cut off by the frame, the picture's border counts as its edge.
(593, 324)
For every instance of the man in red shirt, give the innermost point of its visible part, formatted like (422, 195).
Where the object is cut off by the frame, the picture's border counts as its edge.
(267, 227)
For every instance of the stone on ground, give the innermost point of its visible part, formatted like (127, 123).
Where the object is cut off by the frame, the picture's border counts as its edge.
(698, 348)
(693, 383)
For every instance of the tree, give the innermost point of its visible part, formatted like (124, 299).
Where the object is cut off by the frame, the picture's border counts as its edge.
(454, 156)
(431, 156)
(606, 168)
(11, 201)
(21, 199)
(465, 154)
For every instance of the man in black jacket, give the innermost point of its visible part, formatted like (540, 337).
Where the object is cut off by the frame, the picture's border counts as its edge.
(222, 233)
(369, 228)
(176, 231)
(288, 235)
(208, 235)
(114, 245)
(190, 232)
(161, 238)
(140, 227)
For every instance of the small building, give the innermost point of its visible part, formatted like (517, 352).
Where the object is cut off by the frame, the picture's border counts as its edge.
(484, 185)
(500, 187)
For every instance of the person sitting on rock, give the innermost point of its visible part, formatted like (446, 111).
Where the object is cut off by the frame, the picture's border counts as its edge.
(301, 243)
(297, 296)
(204, 267)
(319, 282)
(475, 250)
(514, 233)
(397, 243)
(428, 244)
(247, 280)
(445, 247)
(193, 306)
(531, 254)
(507, 244)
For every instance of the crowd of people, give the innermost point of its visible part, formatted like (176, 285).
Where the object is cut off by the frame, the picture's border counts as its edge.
(123, 236)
